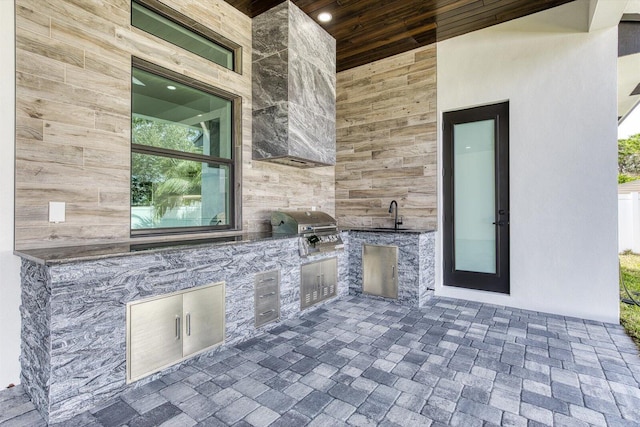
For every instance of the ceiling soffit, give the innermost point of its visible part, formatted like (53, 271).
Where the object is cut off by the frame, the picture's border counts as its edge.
(369, 30)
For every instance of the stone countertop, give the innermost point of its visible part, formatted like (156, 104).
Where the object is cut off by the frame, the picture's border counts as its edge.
(390, 230)
(69, 254)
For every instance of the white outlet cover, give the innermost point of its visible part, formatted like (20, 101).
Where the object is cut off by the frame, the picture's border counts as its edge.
(57, 211)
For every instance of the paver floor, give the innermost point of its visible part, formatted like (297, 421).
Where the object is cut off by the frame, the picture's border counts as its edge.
(365, 362)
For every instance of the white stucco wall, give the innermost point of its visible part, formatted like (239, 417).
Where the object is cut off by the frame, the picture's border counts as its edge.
(561, 84)
(9, 264)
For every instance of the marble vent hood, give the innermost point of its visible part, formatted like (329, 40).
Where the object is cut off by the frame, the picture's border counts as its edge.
(294, 89)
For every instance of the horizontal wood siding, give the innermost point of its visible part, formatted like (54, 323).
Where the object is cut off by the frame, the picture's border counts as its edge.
(73, 108)
(386, 141)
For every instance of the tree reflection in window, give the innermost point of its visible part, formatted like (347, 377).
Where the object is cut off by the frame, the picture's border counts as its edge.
(181, 164)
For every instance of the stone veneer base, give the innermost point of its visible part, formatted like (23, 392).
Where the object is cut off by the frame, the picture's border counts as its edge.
(416, 263)
(73, 314)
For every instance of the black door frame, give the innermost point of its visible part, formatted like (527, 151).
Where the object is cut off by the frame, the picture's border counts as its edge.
(498, 282)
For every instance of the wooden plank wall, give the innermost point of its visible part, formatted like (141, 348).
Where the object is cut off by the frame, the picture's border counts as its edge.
(73, 78)
(386, 141)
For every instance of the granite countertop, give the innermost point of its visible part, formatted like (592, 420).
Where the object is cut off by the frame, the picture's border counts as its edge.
(67, 254)
(390, 230)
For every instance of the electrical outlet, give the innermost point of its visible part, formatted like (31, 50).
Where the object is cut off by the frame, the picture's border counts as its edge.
(57, 211)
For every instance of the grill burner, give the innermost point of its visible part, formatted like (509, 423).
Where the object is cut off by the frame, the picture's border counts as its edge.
(318, 231)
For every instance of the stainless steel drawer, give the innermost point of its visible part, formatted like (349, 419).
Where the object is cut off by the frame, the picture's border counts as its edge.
(267, 278)
(270, 299)
(267, 297)
(267, 287)
(266, 316)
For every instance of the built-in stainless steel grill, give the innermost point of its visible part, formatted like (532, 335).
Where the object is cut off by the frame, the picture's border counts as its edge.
(318, 230)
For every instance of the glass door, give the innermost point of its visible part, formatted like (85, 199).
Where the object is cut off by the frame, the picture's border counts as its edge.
(476, 196)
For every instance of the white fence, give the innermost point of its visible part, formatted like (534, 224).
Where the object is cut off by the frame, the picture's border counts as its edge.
(629, 222)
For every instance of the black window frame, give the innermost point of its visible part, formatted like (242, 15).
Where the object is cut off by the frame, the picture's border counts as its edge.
(195, 27)
(234, 163)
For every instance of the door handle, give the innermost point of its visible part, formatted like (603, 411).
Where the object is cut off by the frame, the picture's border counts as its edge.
(188, 319)
(178, 328)
(267, 295)
(499, 223)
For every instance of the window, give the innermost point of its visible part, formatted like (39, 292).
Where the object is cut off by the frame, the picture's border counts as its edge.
(182, 157)
(155, 18)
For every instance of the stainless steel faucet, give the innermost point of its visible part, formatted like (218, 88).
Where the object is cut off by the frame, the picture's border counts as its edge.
(396, 223)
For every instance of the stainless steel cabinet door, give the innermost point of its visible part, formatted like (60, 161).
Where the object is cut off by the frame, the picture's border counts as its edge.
(310, 276)
(203, 318)
(155, 335)
(329, 277)
(380, 270)
(318, 281)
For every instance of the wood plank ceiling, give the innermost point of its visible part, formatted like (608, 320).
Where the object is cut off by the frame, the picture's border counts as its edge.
(368, 30)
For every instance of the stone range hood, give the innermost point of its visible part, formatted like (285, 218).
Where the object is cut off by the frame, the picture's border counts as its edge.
(294, 89)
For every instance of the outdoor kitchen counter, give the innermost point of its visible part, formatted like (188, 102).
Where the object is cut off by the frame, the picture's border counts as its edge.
(70, 254)
(74, 306)
(67, 254)
(74, 300)
(391, 230)
(416, 261)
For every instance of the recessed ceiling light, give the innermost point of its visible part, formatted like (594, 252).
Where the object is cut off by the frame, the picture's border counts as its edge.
(324, 17)
(171, 87)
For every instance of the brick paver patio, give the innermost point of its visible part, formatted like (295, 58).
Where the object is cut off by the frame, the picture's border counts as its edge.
(366, 362)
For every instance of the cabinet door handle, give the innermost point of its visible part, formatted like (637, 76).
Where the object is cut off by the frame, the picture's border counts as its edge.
(266, 312)
(178, 327)
(393, 271)
(267, 295)
(269, 279)
(188, 318)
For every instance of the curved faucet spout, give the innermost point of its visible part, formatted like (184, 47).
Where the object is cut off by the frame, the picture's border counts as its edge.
(396, 223)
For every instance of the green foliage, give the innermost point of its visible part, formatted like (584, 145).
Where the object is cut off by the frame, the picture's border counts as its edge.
(622, 178)
(171, 193)
(141, 192)
(164, 181)
(630, 274)
(629, 156)
(169, 135)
